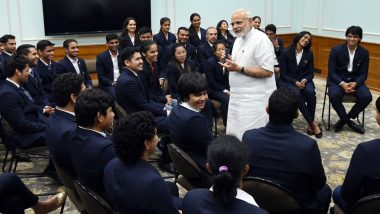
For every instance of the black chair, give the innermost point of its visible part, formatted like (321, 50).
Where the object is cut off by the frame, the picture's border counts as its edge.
(368, 205)
(68, 181)
(188, 173)
(7, 135)
(92, 202)
(347, 98)
(271, 196)
(119, 111)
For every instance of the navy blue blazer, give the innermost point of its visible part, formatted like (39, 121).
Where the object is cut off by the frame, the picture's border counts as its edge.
(24, 116)
(174, 71)
(2, 75)
(104, 68)
(291, 72)
(279, 153)
(3, 58)
(65, 66)
(194, 39)
(191, 132)
(90, 152)
(125, 41)
(216, 78)
(36, 90)
(201, 201)
(137, 188)
(363, 174)
(150, 79)
(204, 52)
(161, 40)
(339, 60)
(131, 95)
(60, 127)
(47, 75)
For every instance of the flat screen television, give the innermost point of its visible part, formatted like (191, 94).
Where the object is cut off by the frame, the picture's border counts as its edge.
(64, 17)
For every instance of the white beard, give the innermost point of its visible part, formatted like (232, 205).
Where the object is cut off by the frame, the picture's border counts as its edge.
(243, 32)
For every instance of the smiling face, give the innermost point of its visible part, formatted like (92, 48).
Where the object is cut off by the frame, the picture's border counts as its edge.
(131, 26)
(151, 54)
(135, 63)
(47, 54)
(32, 57)
(23, 75)
(305, 40)
(352, 40)
(72, 50)
(113, 45)
(183, 36)
(196, 22)
(198, 100)
(106, 121)
(256, 23)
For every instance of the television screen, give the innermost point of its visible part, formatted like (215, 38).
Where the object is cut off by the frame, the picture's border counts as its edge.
(63, 17)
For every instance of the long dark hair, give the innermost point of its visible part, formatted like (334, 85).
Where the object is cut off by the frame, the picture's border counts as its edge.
(192, 30)
(124, 31)
(173, 61)
(227, 157)
(219, 31)
(291, 53)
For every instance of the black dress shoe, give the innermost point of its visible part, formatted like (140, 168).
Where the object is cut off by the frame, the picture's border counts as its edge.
(166, 167)
(23, 158)
(339, 125)
(355, 127)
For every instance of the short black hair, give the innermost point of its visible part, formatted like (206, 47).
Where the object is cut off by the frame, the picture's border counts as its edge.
(65, 85)
(89, 103)
(355, 30)
(191, 83)
(271, 27)
(144, 30)
(111, 36)
(282, 106)
(226, 156)
(6, 37)
(216, 43)
(129, 135)
(68, 41)
(182, 28)
(23, 50)
(15, 62)
(127, 53)
(41, 45)
(378, 104)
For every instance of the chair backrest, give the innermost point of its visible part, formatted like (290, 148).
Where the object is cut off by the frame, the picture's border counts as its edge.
(6, 134)
(120, 112)
(186, 167)
(68, 181)
(91, 68)
(92, 202)
(271, 196)
(368, 204)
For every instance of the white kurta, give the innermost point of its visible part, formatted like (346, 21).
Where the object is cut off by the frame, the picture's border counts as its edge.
(249, 95)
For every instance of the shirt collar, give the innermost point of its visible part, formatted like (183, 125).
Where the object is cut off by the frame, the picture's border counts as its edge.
(61, 109)
(117, 53)
(46, 64)
(9, 54)
(15, 83)
(242, 195)
(102, 133)
(188, 106)
(349, 51)
(75, 60)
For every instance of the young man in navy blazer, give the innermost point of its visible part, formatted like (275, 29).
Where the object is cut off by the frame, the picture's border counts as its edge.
(90, 147)
(34, 84)
(72, 63)
(46, 67)
(348, 71)
(17, 108)
(130, 91)
(61, 124)
(362, 178)
(287, 157)
(9, 48)
(108, 65)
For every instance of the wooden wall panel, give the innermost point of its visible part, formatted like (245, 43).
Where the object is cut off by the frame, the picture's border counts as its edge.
(85, 51)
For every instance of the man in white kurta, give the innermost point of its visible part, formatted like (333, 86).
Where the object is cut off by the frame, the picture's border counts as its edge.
(251, 78)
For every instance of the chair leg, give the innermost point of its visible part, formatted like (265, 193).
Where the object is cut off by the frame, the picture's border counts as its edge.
(363, 119)
(323, 110)
(5, 160)
(329, 117)
(216, 126)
